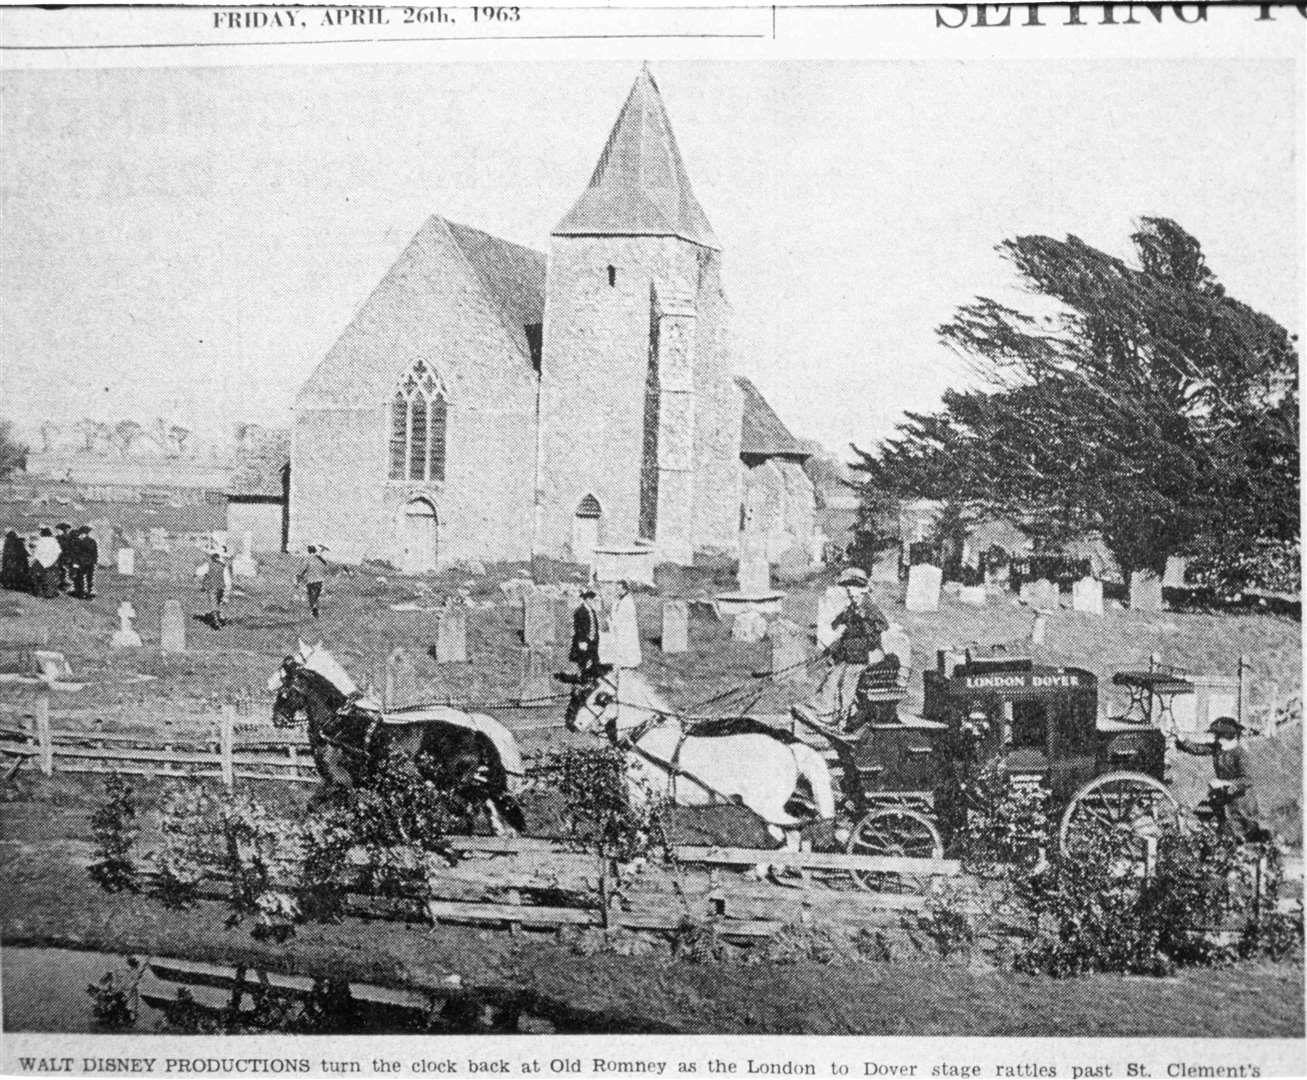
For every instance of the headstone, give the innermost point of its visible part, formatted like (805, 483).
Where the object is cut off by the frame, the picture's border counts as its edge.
(401, 680)
(158, 539)
(1173, 578)
(102, 530)
(924, 583)
(832, 602)
(789, 651)
(749, 626)
(451, 636)
(1145, 591)
(50, 665)
(975, 595)
(676, 626)
(537, 619)
(895, 641)
(1043, 595)
(1039, 631)
(793, 563)
(244, 565)
(1087, 596)
(125, 637)
(537, 684)
(754, 576)
(126, 561)
(172, 628)
(885, 567)
(1024, 593)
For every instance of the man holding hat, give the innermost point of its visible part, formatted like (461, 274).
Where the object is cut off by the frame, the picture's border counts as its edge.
(857, 629)
(585, 636)
(1230, 795)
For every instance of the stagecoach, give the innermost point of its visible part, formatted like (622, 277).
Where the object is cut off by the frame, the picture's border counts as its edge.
(905, 778)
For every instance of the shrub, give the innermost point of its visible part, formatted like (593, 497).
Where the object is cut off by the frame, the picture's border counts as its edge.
(116, 999)
(189, 847)
(1007, 826)
(698, 941)
(259, 857)
(113, 825)
(808, 942)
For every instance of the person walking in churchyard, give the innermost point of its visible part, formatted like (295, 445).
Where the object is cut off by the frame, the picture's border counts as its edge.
(63, 536)
(14, 572)
(624, 631)
(585, 636)
(45, 564)
(312, 575)
(857, 628)
(1231, 797)
(84, 552)
(215, 580)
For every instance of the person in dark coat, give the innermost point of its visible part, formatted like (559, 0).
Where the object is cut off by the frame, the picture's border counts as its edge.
(64, 537)
(585, 636)
(14, 573)
(85, 553)
(1231, 799)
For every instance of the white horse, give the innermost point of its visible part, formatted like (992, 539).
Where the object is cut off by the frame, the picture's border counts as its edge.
(756, 769)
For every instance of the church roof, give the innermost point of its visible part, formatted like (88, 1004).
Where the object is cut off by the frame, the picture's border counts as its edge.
(762, 432)
(511, 275)
(640, 186)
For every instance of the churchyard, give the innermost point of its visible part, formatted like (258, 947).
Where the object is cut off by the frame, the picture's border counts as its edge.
(370, 612)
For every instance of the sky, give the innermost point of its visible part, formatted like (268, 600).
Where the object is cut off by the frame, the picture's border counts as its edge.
(191, 241)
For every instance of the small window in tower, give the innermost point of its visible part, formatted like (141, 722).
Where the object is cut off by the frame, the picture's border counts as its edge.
(612, 276)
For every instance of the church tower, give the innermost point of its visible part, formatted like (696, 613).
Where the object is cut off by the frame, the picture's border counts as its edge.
(639, 424)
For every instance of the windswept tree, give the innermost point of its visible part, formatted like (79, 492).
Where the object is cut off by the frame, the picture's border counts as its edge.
(1141, 403)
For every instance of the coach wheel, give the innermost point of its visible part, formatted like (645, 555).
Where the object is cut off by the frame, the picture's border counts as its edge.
(1131, 804)
(893, 832)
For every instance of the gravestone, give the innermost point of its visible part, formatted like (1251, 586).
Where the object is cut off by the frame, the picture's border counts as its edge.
(172, 628)
(885, 567)
(537, 684)
(102, 530)
(126, 561)
(537, 619)
(676, 626)
(1176, 566)
(754, 576)
(126, 637)
(1042, 595)
(1145, 591)
(401, 680)
(789, 651)
(51, 665)
(749, 626)
(1039, 630)
(924, 583)
(1087, 596)
(245, 565)
(451, 636)
(974, 595)
(158, 539)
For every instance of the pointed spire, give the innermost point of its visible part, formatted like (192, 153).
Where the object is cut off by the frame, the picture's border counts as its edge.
(640, 187)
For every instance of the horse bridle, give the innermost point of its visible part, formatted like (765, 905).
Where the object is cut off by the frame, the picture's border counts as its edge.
(292, 670)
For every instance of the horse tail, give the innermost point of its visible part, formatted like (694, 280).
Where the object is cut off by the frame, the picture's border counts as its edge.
(813, 768)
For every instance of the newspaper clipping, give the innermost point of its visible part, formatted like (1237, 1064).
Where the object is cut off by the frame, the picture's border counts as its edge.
(652, 540)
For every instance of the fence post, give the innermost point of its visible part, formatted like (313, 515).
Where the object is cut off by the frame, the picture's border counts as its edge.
(1242, 701)
(226, 728)
(44, 743)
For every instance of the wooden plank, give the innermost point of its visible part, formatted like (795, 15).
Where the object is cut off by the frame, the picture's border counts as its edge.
(145, 770)
(44, 742)
(525, 914)
(819, 860)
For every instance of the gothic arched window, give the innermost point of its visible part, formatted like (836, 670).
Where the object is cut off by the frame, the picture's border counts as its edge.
(417, 426)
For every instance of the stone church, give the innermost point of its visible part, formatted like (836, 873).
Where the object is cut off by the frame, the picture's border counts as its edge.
(490, 402)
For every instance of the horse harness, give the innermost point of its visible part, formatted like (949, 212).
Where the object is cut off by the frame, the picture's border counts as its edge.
(629, 742)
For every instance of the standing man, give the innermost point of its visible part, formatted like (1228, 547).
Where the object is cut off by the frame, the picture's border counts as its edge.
(624, 631)
(312, 574)
(1230, 795)
(45, 564)
(856, 630)
(585, 636)
(64, 538)
(215, 580)
(85, 553)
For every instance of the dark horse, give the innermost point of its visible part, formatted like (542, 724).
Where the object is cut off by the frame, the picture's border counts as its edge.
(471, 756)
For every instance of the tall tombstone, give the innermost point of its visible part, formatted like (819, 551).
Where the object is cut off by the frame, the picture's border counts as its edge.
(537, 684)
(172, 628)
(537, 619)
(924, 582)
(244, 565)
(401, 680)
(1145, 591)
(1087, 596)
(676, 626)
(789, 651)
(127, 561)
(451, 635)
(1176, 566)
(1039, 631)
(102, 530)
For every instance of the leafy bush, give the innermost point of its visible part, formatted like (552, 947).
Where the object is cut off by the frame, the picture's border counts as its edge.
(812, 943)
(259, 856)
(116, 999)
(113, 825)
(190, 844)
(698, 941)
(1270, 565)
(1007, 826)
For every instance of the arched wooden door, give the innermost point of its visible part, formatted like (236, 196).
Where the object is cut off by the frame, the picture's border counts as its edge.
(418, 537)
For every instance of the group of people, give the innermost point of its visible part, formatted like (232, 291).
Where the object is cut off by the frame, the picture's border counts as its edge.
(621, 645)
(51, 562)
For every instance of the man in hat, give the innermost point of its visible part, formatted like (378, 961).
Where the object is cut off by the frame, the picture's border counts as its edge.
(64, 537)
(856, 630)
(84, 553)
(585, 636)
(312, 574)
(1230, 796)
(215, 580)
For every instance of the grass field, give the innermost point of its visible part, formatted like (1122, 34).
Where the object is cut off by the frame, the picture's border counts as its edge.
(48, 898)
